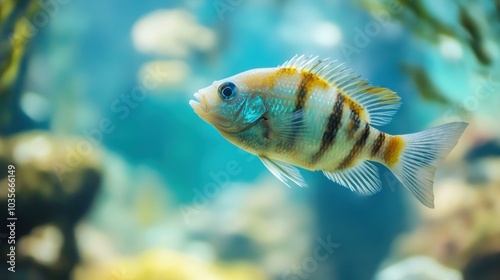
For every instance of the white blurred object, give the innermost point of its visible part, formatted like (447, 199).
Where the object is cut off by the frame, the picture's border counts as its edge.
(300, 31)
(36, 149)
(35, 106)
(171, 32)
(94, 245)
(164, 73)
(327, 34)
(418, 267)
(43, 244)
(450, 48)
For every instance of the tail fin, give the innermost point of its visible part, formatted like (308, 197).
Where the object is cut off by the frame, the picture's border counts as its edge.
(423, 151)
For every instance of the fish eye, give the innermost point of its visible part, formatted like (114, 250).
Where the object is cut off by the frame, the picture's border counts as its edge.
(227, 90)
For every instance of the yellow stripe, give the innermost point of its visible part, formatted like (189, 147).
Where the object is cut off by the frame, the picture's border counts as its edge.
(393, 150)
(280, 73)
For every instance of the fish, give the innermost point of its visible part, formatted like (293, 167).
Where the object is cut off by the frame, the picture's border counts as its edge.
(319, 115)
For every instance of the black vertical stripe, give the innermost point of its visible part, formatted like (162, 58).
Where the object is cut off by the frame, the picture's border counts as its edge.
(303, 91)
(331, 128)
(354, 123)
(378, 143)
(355, 149)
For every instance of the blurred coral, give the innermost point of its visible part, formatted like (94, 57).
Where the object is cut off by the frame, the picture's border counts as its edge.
(45, 197)
(166, 265)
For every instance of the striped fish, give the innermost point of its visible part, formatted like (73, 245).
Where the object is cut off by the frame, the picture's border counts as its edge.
(318, 115)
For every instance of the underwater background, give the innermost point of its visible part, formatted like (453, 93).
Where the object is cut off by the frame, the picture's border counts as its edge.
(117, 178)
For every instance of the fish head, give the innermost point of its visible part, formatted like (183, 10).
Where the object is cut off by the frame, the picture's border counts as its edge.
(231, 105)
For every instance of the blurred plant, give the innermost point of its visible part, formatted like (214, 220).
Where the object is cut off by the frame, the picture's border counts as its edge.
(464, 32)
(429, 25)
(427, 88)
(13, 54)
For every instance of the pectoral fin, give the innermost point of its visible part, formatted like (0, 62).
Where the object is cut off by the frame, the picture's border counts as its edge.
(290, 126)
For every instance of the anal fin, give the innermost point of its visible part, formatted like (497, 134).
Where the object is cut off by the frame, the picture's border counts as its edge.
(363, 178)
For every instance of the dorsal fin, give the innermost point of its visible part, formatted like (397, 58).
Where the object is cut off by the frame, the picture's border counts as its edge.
(378, 104)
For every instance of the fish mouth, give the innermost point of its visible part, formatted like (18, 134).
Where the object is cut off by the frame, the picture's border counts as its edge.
(199, 105)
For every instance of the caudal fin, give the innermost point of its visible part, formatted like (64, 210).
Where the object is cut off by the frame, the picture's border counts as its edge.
(423, 151)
